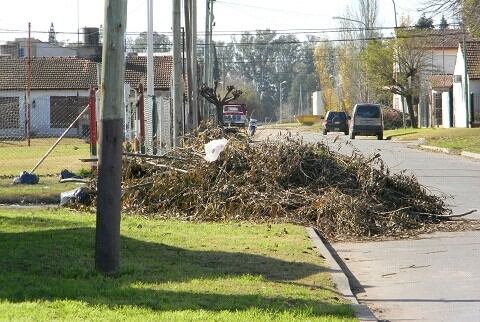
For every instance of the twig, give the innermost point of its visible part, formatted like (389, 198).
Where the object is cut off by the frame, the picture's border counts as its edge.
(444, 216)
(139, 185)
(166, 166)
(151, 156)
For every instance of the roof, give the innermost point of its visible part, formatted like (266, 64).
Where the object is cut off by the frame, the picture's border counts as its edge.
(136, 70)
(439, 81)
(76, 73)
(436, 38)
(473, 59)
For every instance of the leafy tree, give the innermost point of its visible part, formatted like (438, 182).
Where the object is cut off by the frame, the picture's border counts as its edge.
(161, 43)
(325, 62)
(412, 61)
(443, 23)
(467, 10)
(250, 98)
(424, 22)
(308, 83)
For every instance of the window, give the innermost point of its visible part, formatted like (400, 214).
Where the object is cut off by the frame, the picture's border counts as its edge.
(9, 113)
(65, 109)
(339, 115)
(368, 111)
(457, 78)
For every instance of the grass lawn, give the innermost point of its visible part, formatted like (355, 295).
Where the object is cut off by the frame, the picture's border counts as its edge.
(16, 156)
(46, 191)
(170, 271)
(456, 139)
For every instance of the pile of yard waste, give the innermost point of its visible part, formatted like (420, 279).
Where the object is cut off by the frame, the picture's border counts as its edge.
(343, 196)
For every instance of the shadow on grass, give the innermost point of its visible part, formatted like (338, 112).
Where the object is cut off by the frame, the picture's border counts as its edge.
(58, 264)
(400, 134)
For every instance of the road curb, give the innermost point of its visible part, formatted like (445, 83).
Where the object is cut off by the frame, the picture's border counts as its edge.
(450, 151)
(340, 279)
(436, 149)
(471, 155)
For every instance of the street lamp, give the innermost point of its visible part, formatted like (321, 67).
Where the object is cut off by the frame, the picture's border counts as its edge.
(395, 11)
(354, 20)
(280, 100)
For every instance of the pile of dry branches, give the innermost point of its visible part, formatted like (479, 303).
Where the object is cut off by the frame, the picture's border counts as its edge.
(344, 196)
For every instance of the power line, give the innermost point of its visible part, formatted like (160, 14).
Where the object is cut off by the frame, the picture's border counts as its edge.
(243, 32)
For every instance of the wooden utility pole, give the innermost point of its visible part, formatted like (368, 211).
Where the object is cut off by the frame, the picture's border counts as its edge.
(107, 238)
(193, 14)
(177, 76)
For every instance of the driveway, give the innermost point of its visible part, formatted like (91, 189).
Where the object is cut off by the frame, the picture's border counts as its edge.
(435, 277)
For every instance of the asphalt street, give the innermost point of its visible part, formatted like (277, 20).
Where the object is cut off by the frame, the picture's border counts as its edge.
(435, 277)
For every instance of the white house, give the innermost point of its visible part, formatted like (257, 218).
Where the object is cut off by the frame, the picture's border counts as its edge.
(59, 89)
(440, 53)
(466, 86)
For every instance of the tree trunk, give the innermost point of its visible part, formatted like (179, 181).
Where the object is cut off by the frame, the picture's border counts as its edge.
(219, 109)
(411, 111)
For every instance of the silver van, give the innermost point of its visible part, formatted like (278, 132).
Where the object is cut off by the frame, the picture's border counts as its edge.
(367, 119)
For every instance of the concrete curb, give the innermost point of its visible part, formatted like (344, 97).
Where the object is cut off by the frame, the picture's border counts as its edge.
(340, 279)
(471, 155)
(450, 151)
(436, 149)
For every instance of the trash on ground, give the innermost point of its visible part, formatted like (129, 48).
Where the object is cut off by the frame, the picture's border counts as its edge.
(80, 196)
(66, 174)
(214, 148)
(346, 197)
(26, 178)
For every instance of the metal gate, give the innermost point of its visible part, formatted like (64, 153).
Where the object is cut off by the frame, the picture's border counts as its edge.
(475, 110)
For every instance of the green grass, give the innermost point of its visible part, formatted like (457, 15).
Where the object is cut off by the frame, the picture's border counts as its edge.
(455, 139)
(16, 156)
(170, 271)
(46, 191)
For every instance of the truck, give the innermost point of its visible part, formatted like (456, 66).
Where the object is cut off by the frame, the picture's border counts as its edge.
(235, 115)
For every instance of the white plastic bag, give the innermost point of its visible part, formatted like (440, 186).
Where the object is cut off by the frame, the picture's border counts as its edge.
(214, 148)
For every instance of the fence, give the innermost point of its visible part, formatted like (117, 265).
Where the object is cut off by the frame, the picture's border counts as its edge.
(26, 133)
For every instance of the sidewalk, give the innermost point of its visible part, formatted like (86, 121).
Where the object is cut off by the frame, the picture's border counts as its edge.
(339, 277)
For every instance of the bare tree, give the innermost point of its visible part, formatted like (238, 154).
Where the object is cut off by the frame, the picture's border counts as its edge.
(467, 11)
(359, 22)
(412, 63)
(453, 7)
(211, 95)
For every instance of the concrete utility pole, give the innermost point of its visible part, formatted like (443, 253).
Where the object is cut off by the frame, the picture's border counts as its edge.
(212, 46)
(193, 14)
(206, 55)
(107, 237)
(28, 112)
(189, 74)
(208, 59)
(177, 76)
(150, 77)
(207, 44)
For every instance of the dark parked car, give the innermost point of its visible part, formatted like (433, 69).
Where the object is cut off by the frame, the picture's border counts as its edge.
(367, 119)
(335, 122)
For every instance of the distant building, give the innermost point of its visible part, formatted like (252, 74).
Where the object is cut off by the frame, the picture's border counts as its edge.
(466, 86)
(60, 88)
(91, 47)
(440, 48)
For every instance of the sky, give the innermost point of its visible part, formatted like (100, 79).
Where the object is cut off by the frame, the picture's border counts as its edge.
(230, 15)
